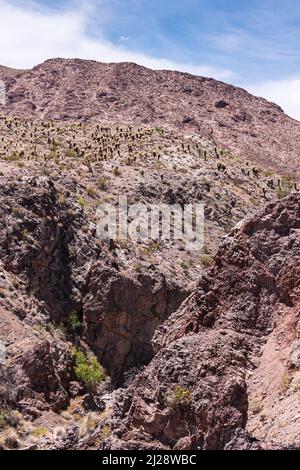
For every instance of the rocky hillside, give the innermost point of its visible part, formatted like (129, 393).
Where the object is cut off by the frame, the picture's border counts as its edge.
(60, 291)
(126, 93)
(125, 344)
(223, 368)
(226, 373)
(97, 163)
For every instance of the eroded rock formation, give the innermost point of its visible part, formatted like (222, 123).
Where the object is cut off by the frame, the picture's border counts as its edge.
(199, 390)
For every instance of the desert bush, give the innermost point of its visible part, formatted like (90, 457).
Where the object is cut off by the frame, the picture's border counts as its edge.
(71, 153)
(91, 192)
(2, 420)
(88, 370)
(81, 201)
(117, 171)
(102, 183)
(179, 396)
(255, 405)
(39, 432)
(286, 186)
(206, 261)
(74, 322)
(285, 382)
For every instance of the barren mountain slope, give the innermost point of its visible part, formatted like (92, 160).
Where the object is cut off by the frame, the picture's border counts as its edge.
(126, 93)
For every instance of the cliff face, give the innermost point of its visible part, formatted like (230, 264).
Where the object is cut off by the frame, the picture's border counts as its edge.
(54, 272)
(228, 359)
(122, 312)
(70, 90)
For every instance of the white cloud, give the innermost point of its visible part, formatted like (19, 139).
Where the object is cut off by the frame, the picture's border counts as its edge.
(29, 36)
(286, 93)
(124, 38)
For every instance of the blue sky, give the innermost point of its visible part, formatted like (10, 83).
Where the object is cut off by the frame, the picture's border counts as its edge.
(254, 43)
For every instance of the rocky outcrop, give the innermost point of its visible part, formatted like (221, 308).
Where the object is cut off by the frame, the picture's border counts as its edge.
(52, 268)
(38, 368)
(40, 233)
(39, 289)
(197, 393)
(121, 312)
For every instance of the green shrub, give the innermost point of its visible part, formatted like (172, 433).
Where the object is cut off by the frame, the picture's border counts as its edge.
(71, 153)
(13, 157)
(286, 381)
(105, 433)
(81, 201)
(179, 396)
(286, 186)
(91, 423)
(74, 321)
(2, 420)
(39, 432)
(91, 192)
(282, 193)
(206, 261)
(88, 370)
(102, 183)
(152, 248)
(117, 171)
(184, 266)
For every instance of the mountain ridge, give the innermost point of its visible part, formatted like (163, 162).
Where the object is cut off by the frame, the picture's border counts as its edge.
(127, 93)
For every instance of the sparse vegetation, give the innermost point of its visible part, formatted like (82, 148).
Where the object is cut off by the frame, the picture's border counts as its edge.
(285, 187)
(206, 261)
(179, 396)
(117, 171)
(105, 433)
(286, 381)
(74, 322)
(152, 165)
(255, 405)
(81, 201)
(39, 432)
(3, 421)
(91, 423)
(102, 183)
(88, 370)
(91, 192)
